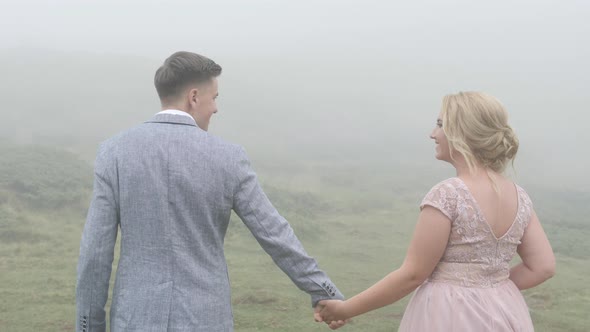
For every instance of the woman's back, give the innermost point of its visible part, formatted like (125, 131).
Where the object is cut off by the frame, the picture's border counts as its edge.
(497, 201)
(486, 230)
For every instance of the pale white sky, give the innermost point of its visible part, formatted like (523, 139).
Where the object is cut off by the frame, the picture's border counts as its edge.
(500, 29)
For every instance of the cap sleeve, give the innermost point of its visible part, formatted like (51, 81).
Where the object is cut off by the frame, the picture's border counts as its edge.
(443, 197)
(525, 206)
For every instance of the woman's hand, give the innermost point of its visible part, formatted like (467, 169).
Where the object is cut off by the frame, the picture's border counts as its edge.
(333, 310)
(334, 325)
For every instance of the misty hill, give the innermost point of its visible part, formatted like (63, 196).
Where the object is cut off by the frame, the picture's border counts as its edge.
(43, 178)
(39, 181)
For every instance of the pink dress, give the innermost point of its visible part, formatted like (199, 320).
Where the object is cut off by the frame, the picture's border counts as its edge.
(469, 289)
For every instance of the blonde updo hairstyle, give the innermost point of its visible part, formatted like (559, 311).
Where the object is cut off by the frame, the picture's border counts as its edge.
(476, 126)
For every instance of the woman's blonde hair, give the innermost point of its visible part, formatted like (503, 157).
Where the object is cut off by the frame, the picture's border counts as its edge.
(476, 126)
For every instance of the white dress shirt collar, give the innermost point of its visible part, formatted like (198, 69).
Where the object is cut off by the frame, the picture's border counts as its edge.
(176, 112)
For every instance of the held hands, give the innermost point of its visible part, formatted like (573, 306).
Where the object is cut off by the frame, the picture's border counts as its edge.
(331, 312)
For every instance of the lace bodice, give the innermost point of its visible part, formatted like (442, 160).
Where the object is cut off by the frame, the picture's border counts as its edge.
(474, 256)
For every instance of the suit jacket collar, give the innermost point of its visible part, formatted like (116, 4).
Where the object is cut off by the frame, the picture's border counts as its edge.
(172, 119)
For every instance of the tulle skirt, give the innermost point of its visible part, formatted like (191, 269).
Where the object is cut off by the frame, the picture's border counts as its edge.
(446, 307)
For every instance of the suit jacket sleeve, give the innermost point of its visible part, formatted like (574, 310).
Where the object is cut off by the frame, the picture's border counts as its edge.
(97, 246)
(276, 236)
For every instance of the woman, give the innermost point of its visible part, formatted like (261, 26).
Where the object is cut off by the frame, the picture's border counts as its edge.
(469, 229)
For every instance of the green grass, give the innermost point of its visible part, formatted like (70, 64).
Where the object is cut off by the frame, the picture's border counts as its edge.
(356, 223)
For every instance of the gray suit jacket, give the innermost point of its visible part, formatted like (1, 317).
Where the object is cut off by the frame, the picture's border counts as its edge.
(170, 187)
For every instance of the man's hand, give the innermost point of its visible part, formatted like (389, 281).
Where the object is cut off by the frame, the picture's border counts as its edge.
(336, 324)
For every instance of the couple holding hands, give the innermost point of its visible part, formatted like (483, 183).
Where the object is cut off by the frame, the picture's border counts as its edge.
(169, 186)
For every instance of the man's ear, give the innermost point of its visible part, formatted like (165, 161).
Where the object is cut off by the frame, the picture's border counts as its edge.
(193, 96)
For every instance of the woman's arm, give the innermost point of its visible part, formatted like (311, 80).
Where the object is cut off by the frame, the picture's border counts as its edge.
(426, 248)
(538, 260)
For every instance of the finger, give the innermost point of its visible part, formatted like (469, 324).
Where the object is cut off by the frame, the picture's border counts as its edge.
(316, 312)
(317, 317)
(337, 324)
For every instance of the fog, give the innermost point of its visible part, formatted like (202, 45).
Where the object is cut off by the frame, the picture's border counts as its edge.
(340, 80)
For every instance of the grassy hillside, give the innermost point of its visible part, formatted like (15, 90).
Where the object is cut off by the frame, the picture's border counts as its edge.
(356, 218)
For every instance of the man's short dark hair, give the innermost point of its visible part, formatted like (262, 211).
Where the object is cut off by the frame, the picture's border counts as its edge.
(182, 69)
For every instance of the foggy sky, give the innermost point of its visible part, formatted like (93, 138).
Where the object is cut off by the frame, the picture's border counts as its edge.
(335, 75)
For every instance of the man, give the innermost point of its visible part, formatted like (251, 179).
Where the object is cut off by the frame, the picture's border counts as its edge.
(170, 187)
